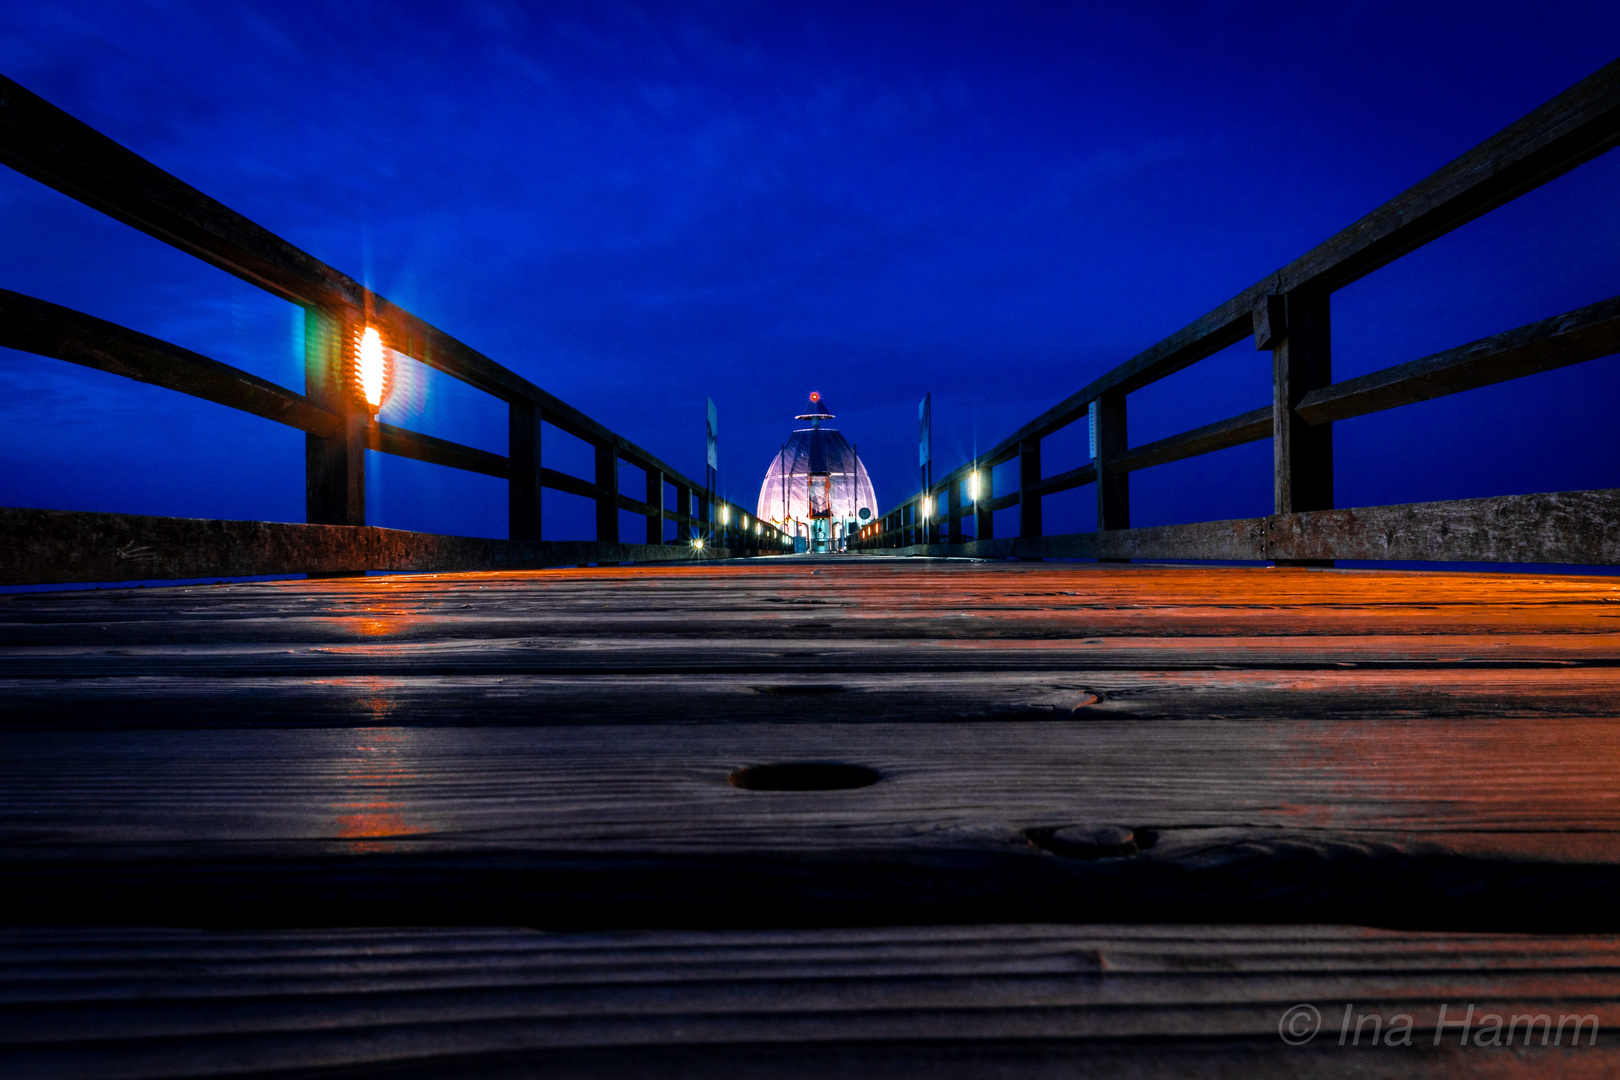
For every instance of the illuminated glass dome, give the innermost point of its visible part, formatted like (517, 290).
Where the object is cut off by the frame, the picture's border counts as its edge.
(796, 474)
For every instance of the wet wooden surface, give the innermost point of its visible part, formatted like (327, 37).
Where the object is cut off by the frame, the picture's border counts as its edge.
(1028, 1000)
(1287, 751)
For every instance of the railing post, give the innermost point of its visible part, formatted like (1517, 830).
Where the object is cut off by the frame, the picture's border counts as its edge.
(984, 520)
(1301, 361)
(1029, 475)
(1113, 488)
(954, 512)
(523, 484)
(335, 464)
(683, 506)
(655, 499)
(607, 493)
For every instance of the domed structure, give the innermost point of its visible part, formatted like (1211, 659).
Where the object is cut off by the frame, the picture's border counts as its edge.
(816, 488)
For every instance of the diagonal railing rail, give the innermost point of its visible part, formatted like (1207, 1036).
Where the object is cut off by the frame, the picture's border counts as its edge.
(43, 142)
(1288, 312)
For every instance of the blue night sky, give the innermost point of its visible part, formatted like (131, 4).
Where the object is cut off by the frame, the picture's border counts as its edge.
(640, 205)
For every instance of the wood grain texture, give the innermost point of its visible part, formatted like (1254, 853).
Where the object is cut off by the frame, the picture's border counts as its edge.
(1024, 1000)
(553, 747)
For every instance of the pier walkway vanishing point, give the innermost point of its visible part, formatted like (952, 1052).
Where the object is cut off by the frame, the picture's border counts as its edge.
(682, 806)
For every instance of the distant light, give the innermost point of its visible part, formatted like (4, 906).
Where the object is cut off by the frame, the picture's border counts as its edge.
(371, 368)
(815, 395)
(725, 515)
(756, 528)
(697, 542)
(973, 487)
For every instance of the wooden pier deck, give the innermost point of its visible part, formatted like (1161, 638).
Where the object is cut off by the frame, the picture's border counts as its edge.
(1112, 820)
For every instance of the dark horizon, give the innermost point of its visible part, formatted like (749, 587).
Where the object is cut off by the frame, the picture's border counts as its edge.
(639, 206)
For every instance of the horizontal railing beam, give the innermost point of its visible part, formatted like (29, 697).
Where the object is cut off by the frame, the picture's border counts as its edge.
(1233, 431)
(1001, 502)
(45, 329)
(388, 439)
(43, 142)
(573, 485)
(1572, 338)
(1065, 481)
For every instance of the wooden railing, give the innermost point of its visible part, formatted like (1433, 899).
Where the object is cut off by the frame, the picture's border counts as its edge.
(1288, 313)
(45, 143)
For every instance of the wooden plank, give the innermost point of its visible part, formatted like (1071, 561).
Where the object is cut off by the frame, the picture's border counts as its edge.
(574, 485)
(1234, 431)
(1064, 481)
(1572, 338)
(1574, 527)
(413, 444)
(1000, 502)
(1028, 1000)
(61, 333)
(50, 546)
(88, 698)
(760, 663)
(1487, 825)
(853, 614)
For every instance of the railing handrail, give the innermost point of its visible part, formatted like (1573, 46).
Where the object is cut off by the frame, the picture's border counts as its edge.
(1572, 128)
(47, 144)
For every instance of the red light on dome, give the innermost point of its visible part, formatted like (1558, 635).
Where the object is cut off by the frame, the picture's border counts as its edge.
(815, 396)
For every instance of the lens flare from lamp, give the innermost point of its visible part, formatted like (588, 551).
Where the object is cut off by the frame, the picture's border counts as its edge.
(372, 368)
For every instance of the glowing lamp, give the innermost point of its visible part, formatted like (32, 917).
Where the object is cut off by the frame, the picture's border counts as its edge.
(373, 369)
(973, 487)
(725, 515)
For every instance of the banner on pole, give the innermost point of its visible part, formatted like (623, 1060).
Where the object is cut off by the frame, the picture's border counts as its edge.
(922, 430)
(714, 436)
